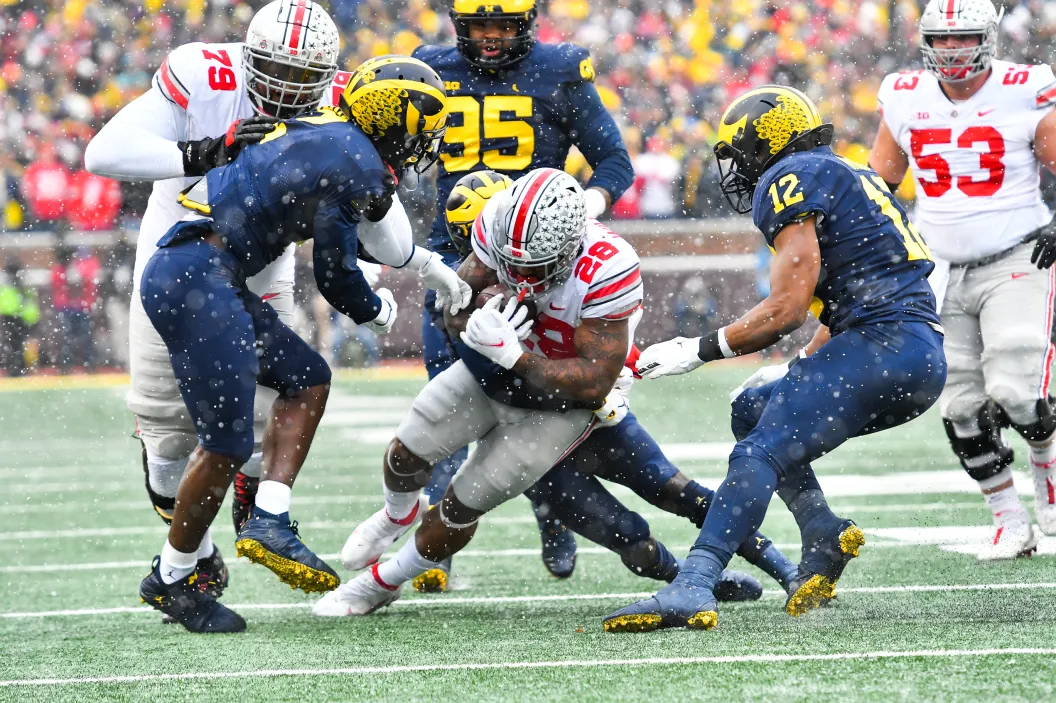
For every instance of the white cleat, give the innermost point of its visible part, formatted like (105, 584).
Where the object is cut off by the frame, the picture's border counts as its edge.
(1013, 538)
(360, 596)
(1044, 497)
(374, 535)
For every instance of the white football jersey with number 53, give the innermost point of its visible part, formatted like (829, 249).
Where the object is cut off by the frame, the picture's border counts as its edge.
(977, 179)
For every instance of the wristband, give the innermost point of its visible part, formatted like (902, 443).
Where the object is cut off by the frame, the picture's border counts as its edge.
(724, 346)
(709, 349)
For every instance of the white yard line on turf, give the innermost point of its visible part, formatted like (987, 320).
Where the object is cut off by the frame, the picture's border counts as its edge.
(442, 601)
(566, 664)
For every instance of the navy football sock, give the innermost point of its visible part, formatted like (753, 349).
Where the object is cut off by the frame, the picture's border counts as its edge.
(650, 559)
(808, 506)
(760, 552)
(737, 511)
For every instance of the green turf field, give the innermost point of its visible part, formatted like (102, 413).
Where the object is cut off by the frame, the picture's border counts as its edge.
(918, 618)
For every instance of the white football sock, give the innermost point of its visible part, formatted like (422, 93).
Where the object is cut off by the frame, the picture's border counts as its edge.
(273, 497)
(1043, 453)
(176, 565)
(403, 567)
(400, 506)
(252, 467)
(164, 474)
(205, 547)
(1004, 503)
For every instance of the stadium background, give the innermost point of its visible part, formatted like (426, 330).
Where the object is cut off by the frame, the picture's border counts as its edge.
(665, 69)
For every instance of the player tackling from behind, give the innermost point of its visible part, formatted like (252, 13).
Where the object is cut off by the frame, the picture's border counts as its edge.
(975, 130)
(536, 239)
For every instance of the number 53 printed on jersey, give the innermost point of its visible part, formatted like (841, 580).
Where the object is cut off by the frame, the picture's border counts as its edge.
(494, 117)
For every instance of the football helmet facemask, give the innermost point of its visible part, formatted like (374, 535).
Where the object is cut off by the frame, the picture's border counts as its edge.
(512, 50)
(400, 104)
(759, 128)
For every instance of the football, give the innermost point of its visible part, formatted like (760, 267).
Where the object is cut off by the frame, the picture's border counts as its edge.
(492, 291)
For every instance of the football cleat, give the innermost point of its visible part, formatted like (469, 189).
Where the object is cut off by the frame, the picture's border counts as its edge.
(1014, 537)
(824, 558)
(559, 548)
(243, 498)
(273, 542)
(677, 605)
(212, 574)
(737, 587)
(433, 580)
(186, 602)
(374, 535)
(361, 596)
(1044, 497)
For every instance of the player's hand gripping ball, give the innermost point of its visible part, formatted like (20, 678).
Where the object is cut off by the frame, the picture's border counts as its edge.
(491, 291)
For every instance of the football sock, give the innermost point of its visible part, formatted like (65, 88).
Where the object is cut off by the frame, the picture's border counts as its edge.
(205, 547)
(650, 559)
(401, 506)
(403, 567)
(1003, 503)
(760, 552)
(737, 511)
(693, 502)
(443, 471)
(1043, 453)
(164, 474)
(273, 497)
(176, 565)
(252, 467)
(808, 506)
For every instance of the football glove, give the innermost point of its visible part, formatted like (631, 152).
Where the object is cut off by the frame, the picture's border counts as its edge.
(765, 375)
(382, 324)
(371, 271)
(451, 291)
(671, 358)
(1045, 246)
(496, 334)
(203, 155)
(613, 410)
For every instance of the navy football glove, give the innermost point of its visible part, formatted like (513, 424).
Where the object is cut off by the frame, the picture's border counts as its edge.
(203, 155)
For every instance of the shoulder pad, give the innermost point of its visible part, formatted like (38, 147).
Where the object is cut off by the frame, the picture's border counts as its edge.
(568, 62)
(1044, 84)
(902, 84)
(200, 70)
(436, 56)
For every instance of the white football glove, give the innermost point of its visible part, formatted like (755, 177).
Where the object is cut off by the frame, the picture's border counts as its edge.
(371, 272)
(451, 291)
(496, 334)
(595, 203)
(671, 358)
(624, 381)
(765, 375)
(613, 410)
(382, 324)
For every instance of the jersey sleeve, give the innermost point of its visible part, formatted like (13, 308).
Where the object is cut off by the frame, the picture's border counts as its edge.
(616, 290)
(479, 233)
(888, 102)
(789, 192)
(572, 64)
(338, 276)
(175, 78)
(332, 96)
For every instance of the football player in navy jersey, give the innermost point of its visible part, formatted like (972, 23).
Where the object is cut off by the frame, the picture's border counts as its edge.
(844, 247)
(515, 105)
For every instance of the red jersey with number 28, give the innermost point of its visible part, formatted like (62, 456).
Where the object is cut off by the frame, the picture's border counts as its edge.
(606, 282)
(973, 162)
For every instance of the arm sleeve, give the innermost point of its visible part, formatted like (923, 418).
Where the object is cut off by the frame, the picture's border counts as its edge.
(139, 143)
(337, 275)
(390, 240)
(595, 134)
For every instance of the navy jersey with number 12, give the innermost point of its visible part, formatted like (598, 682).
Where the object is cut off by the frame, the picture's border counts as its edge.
(874, 263)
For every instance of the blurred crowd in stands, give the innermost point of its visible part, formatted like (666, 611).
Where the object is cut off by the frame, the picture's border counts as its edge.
(665, 69)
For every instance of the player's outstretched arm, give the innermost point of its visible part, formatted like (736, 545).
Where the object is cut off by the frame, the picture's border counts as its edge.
(601, 346)
(479, 276)
(887, 158)
(140, 142)
(794, 274)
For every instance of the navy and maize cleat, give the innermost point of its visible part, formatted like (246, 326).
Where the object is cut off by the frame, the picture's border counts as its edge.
(273, 542)
(243, 498)
(434, 580)
(737, 587)
(677, 605)
(825, 555)
(559, 548)
(188, 603)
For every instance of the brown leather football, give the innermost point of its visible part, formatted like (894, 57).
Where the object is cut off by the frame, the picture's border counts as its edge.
(492, 291)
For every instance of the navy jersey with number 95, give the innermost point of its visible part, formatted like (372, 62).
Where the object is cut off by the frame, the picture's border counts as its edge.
(874, 263)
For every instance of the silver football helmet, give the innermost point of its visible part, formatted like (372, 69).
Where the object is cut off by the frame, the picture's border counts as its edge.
(290, 57)
(959, 17)
(540, 227)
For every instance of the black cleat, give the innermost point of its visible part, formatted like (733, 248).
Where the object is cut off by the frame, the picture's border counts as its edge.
(212, 574)
(737, 587)
(559, 548)
(243, 498)
(186, 602)
(824, 558)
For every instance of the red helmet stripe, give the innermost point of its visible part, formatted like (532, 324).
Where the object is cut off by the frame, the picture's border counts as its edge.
(298, 21)
(527, 203)
(949, 9)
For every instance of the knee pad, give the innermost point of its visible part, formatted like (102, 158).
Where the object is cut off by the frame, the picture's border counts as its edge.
(406, 466)
(1042, 428)
(745, 412)
(986, 454)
